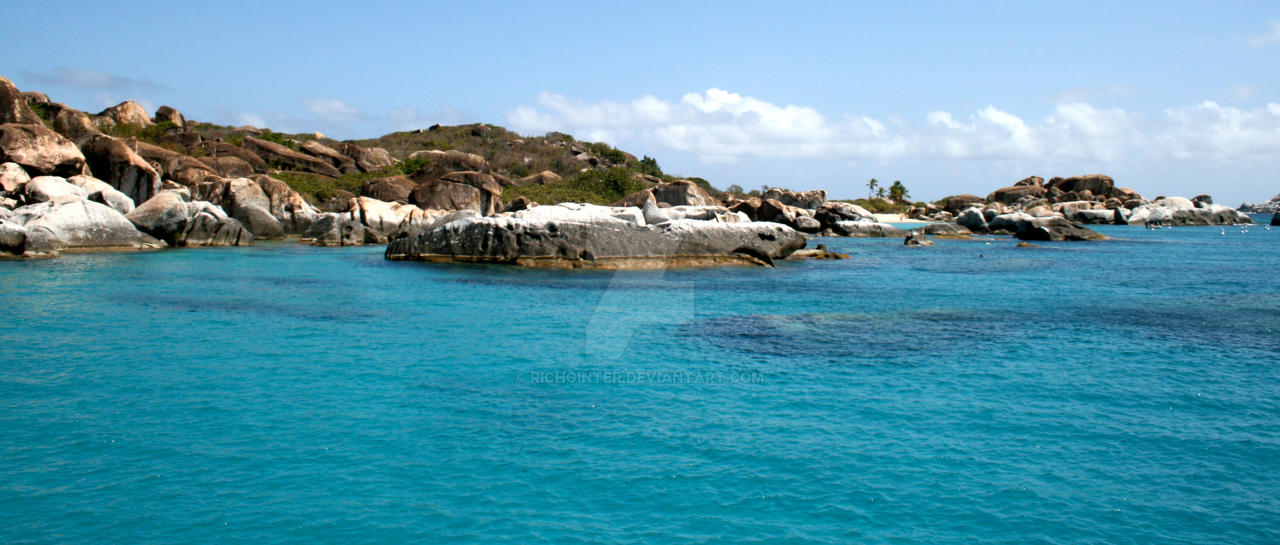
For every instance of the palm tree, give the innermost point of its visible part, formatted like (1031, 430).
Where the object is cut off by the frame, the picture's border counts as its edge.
(873, 188)
(898, 192)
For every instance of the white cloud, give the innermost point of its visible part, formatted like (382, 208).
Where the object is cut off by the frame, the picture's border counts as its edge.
(253, 120)
(331, 109)
(1271, 36)
(89, 79)
(719, 126)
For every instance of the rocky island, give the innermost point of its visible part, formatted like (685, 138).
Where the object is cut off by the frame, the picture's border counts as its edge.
(124, 179)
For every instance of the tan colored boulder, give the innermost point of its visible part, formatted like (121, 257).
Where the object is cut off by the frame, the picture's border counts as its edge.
(272, 152)
(13, 105)
(443, 162)
(112, 161)
(390, 189)
(74, 124)
(12, 177)
(1015, 193)
(541, 178)
(224, 149)
(127, 113)
(446, 195)
(367, 159)
(325, 153)
(166, 113)
(228, 166)
(40, 150)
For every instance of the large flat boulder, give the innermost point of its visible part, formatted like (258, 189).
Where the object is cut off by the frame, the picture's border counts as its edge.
(599, 241)
(73, 223)
(40, 150)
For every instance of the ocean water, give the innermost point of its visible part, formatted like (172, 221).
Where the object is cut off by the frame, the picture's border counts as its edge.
(973, 392)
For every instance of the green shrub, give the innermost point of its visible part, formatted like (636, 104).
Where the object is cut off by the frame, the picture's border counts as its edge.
(279, 139)
(602, 187)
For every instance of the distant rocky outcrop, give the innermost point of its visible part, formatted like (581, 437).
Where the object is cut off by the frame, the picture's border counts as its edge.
(571, 236)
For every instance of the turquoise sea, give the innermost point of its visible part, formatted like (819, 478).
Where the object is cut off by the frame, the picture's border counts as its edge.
(1125, 391)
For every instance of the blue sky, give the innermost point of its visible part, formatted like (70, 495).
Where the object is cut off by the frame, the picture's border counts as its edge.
(947, 97)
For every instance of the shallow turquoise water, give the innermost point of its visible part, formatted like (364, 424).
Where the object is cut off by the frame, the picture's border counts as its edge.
(1116, 392)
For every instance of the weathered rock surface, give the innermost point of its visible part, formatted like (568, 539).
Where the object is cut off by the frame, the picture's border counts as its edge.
(444, 162)
(47, 188)
(390, 189)
(917, 238)
(75, 125)
(799, 199)
(463, 190)
(367, 159)
(114, 162)
(126, 113)
(390, 219)
(168, 217)
(949, 230)
(1096, 184)
(179, 168)
(1015, 193)
(74, 223)
(958, 203)
(333, 229)
(973, 220)
(40, 150)
(282, 155)
(223, 149)
(229, 166)
(1180, 211)
(674, 193)
(12, 178)
(166, 113)
(13, 105)
(541, 178)
(344, 164)
(100, 191)
(1055, 229)
(588, 237)
(866, 228)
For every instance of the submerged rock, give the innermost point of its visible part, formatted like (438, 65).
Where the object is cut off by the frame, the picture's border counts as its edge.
(917, 238)
(865, 228)
(563, 237)
(1055, 229)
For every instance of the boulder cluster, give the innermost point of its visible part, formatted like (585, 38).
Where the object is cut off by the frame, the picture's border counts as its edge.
(67, 184)
(1078, 200)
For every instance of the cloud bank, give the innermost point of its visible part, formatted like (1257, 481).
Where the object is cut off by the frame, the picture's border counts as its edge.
(721, 126)
(89, 79)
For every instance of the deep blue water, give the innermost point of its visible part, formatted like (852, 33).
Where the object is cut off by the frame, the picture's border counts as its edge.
(1114, 392)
